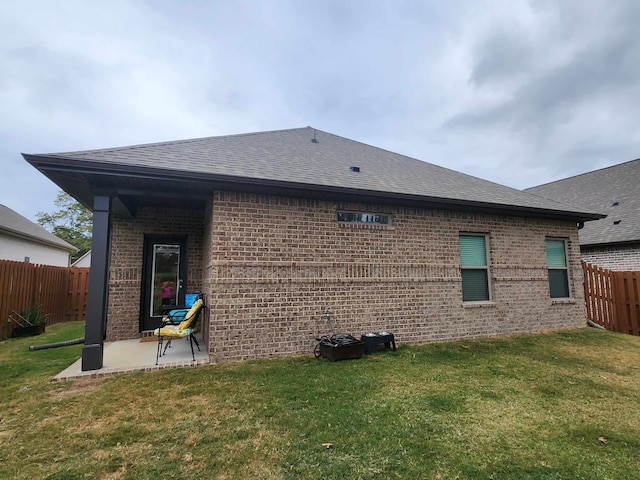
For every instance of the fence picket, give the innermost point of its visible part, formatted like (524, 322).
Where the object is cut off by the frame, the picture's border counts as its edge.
(599, 296)
(586, 279)
(624, 301)
(609, 319)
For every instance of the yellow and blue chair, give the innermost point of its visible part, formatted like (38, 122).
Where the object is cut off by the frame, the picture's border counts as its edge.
(179, 323)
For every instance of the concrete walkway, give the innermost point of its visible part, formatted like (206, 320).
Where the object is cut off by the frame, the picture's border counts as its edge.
(136, 356)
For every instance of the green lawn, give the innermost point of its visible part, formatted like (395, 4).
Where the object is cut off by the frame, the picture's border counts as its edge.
(562, 405)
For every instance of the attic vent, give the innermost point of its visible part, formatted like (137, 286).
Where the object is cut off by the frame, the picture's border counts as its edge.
(354, 169)
(314, 139)
(617, 222)
(615, 203)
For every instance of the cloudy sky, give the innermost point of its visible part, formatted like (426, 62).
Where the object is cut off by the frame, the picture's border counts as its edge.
(517, 92)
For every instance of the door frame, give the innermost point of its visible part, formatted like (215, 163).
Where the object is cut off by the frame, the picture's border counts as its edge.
(148, 322)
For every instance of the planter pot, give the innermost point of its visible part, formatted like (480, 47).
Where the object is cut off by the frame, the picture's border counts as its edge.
(30, 331)
(342, 352)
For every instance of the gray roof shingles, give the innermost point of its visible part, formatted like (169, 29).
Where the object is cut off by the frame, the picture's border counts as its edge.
(290, 156)
(14, 224)
(599, 190)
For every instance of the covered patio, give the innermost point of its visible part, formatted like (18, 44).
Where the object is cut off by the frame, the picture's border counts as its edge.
(139, 356)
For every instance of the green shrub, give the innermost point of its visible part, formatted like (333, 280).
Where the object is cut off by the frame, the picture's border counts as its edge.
(29, 316)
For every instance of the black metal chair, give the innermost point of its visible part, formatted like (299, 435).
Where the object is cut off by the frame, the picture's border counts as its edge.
(178, 324)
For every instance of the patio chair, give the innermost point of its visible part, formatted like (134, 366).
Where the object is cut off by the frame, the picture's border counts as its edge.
(178, 324)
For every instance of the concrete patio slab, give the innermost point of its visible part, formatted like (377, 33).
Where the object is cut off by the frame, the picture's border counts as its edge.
(136, 356)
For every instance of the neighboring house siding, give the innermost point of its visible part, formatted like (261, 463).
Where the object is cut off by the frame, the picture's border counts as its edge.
(614, 258)
(125, 274)
(12, 248)
(274, 265)
(83, 261)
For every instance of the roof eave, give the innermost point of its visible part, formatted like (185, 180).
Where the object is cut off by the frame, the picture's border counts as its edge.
(46, 163)
(35, 239)
(620, 243)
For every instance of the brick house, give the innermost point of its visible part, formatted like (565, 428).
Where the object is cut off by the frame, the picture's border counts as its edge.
(275, 228)
(612, 242)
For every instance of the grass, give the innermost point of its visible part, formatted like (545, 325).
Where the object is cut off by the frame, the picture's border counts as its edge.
(561, 405)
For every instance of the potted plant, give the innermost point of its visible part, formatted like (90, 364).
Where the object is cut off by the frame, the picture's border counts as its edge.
(29, 322)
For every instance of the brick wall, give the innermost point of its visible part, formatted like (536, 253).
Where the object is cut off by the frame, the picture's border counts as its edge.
(125, 273)
(614, 258)
(273, 265)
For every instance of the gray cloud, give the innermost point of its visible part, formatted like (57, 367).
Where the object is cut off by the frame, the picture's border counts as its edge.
(518, 93)
(504, 55)
(564, 92)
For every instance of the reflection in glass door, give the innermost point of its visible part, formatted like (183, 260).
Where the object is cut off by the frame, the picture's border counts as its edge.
(165, 265)
(164, 277)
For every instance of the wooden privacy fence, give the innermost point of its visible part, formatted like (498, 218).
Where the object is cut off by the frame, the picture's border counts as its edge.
(60, 291)
(613, 298)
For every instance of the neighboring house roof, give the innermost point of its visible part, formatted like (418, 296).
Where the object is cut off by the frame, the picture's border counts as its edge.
(613, 190)
(296, 161)
(15, 225)
(83, 261)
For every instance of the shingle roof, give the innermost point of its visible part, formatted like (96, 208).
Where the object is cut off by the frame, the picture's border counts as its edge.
(14, 224)
(291, 157)
(613, 190)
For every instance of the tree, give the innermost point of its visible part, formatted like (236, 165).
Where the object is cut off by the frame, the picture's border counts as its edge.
(72, 222)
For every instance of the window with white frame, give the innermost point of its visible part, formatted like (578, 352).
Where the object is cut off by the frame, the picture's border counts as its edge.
(556, 249)
(474, 267)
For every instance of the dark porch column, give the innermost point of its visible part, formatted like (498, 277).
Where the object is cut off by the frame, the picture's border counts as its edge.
(96, 322)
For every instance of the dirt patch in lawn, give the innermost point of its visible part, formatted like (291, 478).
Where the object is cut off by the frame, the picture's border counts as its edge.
(77, 387)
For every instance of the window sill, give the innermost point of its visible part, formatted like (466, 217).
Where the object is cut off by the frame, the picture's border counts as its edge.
(478, 304)
(563, 301)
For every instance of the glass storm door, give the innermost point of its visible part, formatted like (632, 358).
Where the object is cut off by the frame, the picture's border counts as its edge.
(164, 277)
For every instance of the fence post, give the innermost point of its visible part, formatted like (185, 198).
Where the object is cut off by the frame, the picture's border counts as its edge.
(634, 302)
(587, 292)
